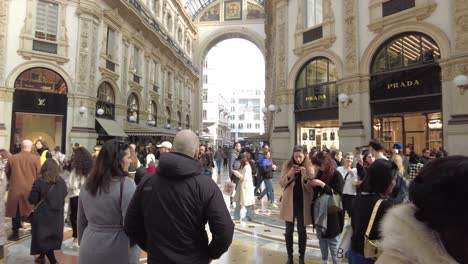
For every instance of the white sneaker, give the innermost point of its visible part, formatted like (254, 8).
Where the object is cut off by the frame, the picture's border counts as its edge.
(274, 205)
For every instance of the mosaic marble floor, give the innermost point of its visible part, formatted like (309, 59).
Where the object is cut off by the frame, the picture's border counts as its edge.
(259, 241)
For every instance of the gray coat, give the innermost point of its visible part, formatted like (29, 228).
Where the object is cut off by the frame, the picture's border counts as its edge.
(100, 233)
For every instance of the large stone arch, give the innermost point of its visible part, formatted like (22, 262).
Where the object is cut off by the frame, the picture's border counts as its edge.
(432, 31)
(11, 78)
(224, 33)
(316, 53)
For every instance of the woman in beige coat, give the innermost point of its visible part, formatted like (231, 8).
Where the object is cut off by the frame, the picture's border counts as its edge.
(297, 199)
(245, 189)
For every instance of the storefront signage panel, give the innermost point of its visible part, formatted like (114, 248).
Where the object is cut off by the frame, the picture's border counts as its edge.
(109, 109)
(316, 97)
(39, 102)
(406, 83)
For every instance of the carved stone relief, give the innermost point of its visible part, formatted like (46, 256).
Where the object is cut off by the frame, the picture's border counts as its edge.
(350, 37)
(3, 30)
(281, 43)
(461, 25)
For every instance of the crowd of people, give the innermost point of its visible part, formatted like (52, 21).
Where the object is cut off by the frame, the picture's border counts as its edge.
(121, 199)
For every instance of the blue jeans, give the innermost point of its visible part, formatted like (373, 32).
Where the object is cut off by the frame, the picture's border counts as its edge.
(327, 244)
(259, 181)
(268, 190)
(355, 258)
(218, 164)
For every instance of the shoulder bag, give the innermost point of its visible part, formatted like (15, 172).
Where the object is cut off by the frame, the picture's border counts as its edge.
(334, 202)
(29, 218)
(372, 249)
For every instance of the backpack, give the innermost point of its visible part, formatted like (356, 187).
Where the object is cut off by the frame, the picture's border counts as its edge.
(253, 166)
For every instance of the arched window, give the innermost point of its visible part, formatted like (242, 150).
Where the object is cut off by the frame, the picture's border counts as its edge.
(133, 109)
(168, 115)
(152, 114)
(187, 121)
(42, 80)
(179, 118)
(316, 85)
(105, 105)
(406, 50)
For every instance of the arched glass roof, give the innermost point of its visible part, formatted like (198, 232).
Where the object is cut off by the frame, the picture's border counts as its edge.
(195, 7)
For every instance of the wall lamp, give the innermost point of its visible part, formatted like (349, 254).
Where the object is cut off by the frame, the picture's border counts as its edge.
(100, 112)
(168, 126)
(461, 81)
(344, 99)
(274, 109)
(82, 110)
(132, 118)
(152, 123)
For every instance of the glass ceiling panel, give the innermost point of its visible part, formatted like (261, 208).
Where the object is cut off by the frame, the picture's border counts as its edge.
(195, 7)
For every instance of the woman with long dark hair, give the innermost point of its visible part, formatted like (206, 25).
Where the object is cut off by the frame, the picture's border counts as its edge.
(296, 177)
(328, 181)
(102, 205)
(48, 196)
(244, 196)
(378, 185)
(81, 166)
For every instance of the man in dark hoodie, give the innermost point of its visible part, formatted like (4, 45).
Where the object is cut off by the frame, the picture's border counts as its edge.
(169, 210)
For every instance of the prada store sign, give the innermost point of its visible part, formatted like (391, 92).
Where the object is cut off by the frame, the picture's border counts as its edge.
(315, 97)
(406, 83)
(39, 102)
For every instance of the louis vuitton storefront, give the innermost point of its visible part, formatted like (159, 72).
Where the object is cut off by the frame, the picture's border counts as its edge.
(405, 93)
(316, 105)
(39, 108)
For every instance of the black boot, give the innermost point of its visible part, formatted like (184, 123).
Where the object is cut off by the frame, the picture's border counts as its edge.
(289, 247)
(14, 236)
(302, 246)
(301, 259)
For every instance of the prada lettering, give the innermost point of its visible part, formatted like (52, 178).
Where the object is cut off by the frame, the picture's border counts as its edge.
(316, 97)
(41, 102)
(403, 84)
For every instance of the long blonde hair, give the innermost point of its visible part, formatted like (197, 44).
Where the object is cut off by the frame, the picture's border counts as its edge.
(399, 162)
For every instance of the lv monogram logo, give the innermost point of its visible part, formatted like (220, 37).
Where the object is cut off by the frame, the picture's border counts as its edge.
(41, 102)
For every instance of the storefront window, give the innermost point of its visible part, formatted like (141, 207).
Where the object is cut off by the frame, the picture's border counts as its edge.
(106, 101)
(321, 135)
(42, 80)
(133, 108)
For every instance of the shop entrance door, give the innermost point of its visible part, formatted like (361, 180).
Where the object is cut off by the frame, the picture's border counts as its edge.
(416, 131)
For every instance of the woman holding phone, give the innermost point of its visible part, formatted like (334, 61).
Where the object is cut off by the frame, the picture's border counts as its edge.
(296, 201)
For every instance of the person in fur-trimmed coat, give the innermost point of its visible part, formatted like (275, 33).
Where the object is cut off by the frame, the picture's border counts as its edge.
(432, 229)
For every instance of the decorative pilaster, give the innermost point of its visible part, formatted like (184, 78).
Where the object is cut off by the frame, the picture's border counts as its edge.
(461, 25)
(3, 35)
(87, 55)
(350, 43)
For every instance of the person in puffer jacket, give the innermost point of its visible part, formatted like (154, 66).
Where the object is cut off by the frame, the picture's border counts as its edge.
(267, 167)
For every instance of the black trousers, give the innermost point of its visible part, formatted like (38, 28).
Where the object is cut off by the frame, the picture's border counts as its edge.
(73, 215)
(348, 203)
(301, 230)
(16, 221)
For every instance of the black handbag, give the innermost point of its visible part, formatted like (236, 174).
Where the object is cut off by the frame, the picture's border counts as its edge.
(29, 218)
